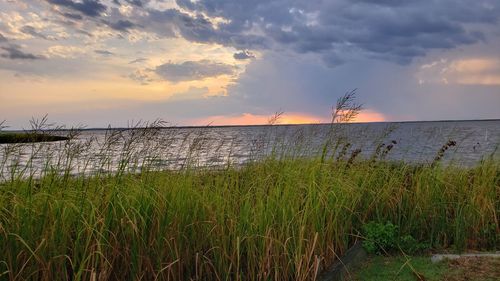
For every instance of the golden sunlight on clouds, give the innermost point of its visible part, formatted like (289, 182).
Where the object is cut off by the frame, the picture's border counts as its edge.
(60, 92)
(180, 50)
(474, 65)
(474, 71)
(65, 51)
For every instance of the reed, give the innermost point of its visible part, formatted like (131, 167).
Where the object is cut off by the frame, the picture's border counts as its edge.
(273, 220)
(117, 214)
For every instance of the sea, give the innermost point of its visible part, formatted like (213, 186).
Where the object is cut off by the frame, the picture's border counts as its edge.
(460, 143)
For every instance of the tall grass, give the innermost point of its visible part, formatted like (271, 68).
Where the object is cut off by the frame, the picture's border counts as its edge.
(286, 215)
(273, 220)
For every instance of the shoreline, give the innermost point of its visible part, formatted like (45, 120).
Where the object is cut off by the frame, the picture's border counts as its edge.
(28, 137)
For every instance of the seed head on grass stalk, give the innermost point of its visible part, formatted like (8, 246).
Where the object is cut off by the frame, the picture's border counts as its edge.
(275, 118)
(3, 125)
(345, 110)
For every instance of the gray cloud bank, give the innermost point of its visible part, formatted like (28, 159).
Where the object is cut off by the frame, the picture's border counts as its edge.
(193, 70)
(390, 30)
(92, 8)
(397, 31)
(243, 55)
(13, 51)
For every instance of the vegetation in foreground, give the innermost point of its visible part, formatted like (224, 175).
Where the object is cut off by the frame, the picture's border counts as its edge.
(421, 268)
(272, 220)
(100, 210)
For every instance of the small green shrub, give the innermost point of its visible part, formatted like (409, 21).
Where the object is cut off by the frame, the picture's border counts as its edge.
(410, 245)
(381, 238)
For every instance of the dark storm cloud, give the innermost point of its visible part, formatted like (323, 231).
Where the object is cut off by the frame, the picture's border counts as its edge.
(243, 55)
(72, 16)
(388, 29)
(198, 28)
(193, 70)
(194, 28)
(395, 30)
(91, 8)
(121, 25)
(14, 52)
(138, 3)
(385, 2)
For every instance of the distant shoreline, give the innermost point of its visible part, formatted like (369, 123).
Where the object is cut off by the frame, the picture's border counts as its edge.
(28, 137)
(256, 125)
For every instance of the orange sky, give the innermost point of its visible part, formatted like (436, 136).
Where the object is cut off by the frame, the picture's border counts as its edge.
(285, 118)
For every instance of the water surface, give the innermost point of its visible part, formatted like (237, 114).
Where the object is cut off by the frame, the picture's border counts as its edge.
(93, 151)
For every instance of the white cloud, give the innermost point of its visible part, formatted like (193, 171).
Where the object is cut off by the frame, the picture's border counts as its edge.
(65, 51)
(468, 71)
(193, 70)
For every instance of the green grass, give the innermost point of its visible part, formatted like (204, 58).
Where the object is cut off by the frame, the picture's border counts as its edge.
(277, 219)
(28, 137)
(405, 268)
(399, 268)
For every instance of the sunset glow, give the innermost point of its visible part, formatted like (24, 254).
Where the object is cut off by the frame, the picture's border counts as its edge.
(102, 62)
(252, 119)
(285, 118)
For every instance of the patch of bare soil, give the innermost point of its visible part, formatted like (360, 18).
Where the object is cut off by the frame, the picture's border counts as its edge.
(473, 268)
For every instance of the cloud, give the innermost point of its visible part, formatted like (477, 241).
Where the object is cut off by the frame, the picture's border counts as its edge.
(2, 38)
(467, 71)
(91, 8)
(72, 16)
(65, 51)
(14, 52)
(138, 3)
(243, 55)
(296, 42)
(336, 31)
(121, 25)
(193, 70)
(104, 52)
(138, 60)
(141, 76)
(28, 29)
(198, 28)
(389, 30)
(191, 93)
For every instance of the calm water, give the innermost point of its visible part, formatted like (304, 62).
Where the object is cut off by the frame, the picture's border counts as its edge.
(99, 150)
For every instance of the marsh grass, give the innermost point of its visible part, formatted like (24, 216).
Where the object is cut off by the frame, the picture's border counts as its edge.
(285, 215)
(272, 220)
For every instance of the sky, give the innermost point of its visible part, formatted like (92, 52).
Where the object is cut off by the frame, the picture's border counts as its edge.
(96, 63)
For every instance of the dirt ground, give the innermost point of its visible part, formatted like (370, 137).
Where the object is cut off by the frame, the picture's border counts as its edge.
(473, 268)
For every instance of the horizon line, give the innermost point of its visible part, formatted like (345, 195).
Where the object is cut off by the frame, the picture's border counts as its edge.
(249, 125)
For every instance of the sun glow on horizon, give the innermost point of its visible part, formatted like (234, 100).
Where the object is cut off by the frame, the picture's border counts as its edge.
(283, 119)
